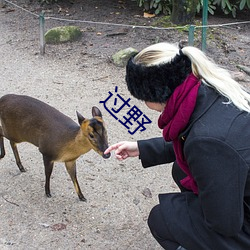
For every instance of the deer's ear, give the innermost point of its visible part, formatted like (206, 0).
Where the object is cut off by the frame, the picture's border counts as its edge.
(80, 118)
(96, 112)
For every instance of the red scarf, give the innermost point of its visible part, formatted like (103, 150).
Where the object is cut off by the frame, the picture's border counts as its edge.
(174, 119)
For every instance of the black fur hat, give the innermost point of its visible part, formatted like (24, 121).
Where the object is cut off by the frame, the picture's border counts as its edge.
(156, 83)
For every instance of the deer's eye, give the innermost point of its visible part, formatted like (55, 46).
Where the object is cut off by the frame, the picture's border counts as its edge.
(91, 136)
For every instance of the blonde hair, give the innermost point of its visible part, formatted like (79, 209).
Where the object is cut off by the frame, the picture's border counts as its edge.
(202, 67)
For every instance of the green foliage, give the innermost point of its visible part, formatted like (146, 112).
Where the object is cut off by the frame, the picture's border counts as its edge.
(157, 6)
(165, 6)
(231, 6)
(244, 4)
(47, 1)
(211, 7)
(226, 6)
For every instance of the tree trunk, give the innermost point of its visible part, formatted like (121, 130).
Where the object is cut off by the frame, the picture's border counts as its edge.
(183, 11)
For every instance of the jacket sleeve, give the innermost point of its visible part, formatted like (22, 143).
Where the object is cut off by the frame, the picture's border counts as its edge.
(155, 151)
(220, 173)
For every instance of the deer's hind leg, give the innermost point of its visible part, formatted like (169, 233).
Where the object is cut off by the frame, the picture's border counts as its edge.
(1, 144)
(16, 154)
(71, 168)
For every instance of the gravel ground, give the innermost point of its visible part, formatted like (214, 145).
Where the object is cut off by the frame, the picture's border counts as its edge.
(76, 76)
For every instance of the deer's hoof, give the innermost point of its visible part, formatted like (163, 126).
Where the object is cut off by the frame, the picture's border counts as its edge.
(82, 198)
(48, 195)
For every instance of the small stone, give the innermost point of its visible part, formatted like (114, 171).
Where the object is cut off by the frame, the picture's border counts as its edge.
(147, 193)
(136, 201)
(45, 225)
(239, 76)
(62, 34)
(121, 58)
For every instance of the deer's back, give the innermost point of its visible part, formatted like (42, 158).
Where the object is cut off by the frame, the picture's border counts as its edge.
(24, 118)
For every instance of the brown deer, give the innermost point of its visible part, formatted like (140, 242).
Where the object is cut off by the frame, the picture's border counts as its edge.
(59, 138)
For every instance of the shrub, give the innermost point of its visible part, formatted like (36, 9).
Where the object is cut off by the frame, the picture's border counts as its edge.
(165, 6)
(47, 1)
(156, 6)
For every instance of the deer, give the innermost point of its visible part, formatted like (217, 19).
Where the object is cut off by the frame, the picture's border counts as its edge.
(58, 138)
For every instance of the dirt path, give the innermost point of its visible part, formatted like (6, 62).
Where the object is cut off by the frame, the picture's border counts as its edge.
(115, 215)
(76, 77)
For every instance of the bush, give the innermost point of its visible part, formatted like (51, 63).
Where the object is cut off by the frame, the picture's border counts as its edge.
(47, 1)
(165, 6)
(156, 6)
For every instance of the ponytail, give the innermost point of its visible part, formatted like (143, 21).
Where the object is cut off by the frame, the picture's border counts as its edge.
(218, 78)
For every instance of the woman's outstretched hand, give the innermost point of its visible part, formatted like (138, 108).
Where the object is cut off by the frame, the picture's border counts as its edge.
(124, 150)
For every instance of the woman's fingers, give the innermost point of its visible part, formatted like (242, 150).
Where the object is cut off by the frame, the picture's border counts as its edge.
(124, 149)
(113, 147)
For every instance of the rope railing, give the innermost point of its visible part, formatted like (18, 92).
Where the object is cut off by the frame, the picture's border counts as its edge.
(21, 8)
(117, 24)
(42, 19)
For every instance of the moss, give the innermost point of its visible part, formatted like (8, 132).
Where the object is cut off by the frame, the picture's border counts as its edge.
(63, 34)
(163, 22)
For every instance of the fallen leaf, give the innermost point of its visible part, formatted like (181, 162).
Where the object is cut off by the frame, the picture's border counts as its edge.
(147, 15)
(58, 227)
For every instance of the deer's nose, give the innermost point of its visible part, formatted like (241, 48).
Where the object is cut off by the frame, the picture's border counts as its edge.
(106, 156)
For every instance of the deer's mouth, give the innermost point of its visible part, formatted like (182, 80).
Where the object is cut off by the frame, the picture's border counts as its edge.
(106, 156)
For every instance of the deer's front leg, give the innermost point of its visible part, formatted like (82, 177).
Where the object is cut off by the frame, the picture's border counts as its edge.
(71, 168)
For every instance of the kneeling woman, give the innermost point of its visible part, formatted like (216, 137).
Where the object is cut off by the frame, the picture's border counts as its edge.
(205, 119)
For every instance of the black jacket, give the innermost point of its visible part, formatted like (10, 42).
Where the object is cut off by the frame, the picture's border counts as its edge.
(216, 145)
